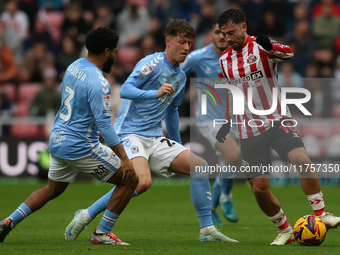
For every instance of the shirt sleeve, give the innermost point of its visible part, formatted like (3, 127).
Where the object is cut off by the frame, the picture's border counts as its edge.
(143, 72)
(188, 66)
(172, 118)
(99, 98)
(280, 52)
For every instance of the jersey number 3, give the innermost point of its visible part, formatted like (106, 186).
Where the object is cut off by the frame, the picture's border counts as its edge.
(67, 103)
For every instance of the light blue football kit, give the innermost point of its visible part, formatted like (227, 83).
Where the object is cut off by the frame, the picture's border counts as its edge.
(74, 141)
(141, 111)
(85, 111)
(138, 125)
(205, 63)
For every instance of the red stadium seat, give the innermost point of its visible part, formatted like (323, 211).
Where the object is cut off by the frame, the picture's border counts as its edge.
(54, 22)
(335, 129)
(27, 130)
(21, 108)
(128, 57)
(27, 91)
(336, 111)
(314, 146)
(9, 89)
(140, 3)
(319, 131)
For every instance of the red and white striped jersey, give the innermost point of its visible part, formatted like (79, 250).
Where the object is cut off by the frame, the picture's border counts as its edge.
(255, 68)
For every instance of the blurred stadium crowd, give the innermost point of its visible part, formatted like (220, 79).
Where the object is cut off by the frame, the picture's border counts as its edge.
(40, 38)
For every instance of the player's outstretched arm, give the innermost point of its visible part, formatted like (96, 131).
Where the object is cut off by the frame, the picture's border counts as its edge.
(281, 52)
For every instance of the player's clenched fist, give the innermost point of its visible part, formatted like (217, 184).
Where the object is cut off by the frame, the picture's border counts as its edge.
(165, 89)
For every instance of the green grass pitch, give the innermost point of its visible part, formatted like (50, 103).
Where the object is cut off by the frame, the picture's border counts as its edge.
(161, 221)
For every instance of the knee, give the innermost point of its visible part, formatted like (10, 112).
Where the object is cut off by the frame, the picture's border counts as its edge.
(260, 190)
(193, 167)
(143, 185)
(302, 160)
(234, 158)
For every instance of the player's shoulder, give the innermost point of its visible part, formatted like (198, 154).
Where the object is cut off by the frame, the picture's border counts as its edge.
(79, 70)
(252, 38)
(151, 63)
(196, 54)
(225, 53)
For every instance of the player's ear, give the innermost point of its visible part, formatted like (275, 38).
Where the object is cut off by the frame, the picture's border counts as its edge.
(167, 41)
(244, 27)
(107, 52)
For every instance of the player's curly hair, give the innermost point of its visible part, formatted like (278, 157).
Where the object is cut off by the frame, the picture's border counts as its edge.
(177, 27)
(100, 39)
(232, 16)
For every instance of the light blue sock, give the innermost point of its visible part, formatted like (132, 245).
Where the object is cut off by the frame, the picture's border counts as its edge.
(101, 204)
(107, 222)
(19, 214)
(201, 196)
(216, 193)
(227, 179)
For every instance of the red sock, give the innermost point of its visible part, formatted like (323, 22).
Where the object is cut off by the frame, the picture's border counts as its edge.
(280, 220)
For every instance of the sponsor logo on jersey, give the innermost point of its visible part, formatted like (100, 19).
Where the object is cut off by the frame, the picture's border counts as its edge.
(146, 69)
(106, 102)
(256, 75)
(134, 149)
(58, 136)
(251, 59)
(141, 75)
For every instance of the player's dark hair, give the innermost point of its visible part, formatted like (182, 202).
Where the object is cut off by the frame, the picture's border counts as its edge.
(232, 16)
(100, 39)
(177, 27)
(213, 23)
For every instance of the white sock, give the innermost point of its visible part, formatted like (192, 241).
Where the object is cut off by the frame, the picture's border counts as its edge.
(280, 220)
(207, 230)
(317, 203)
(225, 197)
(86, 215)
(99, 231)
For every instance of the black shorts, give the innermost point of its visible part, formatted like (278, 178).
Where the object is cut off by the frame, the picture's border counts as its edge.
(256, 150)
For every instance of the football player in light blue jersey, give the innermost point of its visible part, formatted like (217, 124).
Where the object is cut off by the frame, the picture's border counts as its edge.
(154, 90)
(205, 63)
(74, 141)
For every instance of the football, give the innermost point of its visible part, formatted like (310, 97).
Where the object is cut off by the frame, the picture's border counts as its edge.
(309, 230)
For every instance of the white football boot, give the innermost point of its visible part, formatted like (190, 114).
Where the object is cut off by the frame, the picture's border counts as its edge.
(77, 225)
(211, 234)
(285, 236)
(330, 220)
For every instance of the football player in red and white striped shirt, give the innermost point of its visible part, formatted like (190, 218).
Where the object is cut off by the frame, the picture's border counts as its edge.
(250, 64)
